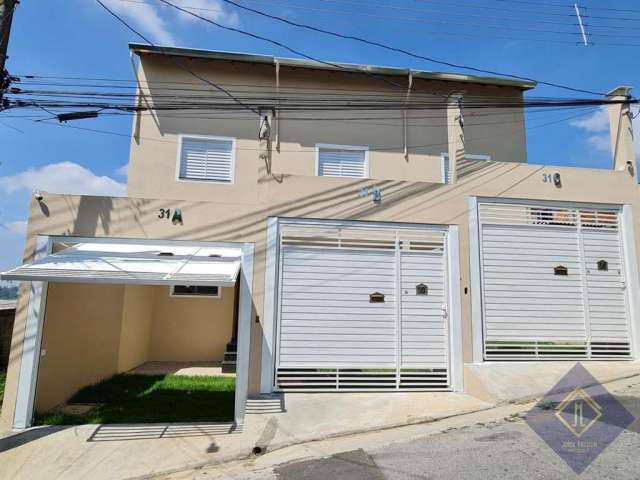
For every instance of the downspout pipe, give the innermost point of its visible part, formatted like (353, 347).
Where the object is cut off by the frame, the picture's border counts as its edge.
(404, 116)
(277, 109)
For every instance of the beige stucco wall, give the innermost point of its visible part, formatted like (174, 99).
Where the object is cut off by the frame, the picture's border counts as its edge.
(80, 340)
(312, 197)
(154, 150)
(190, 329)
(94, 331)
(137, 323)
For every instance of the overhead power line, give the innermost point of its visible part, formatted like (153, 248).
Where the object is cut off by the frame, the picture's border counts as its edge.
(176, 62)
(306, 102)
(373, 43)
(374, 147)
(565, 5)
(428, 25)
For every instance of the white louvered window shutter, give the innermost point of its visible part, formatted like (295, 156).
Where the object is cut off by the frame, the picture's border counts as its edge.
(207, 159)
(342, 162)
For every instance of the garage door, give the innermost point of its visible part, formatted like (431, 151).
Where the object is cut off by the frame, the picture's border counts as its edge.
(553, 283)
(362, 309)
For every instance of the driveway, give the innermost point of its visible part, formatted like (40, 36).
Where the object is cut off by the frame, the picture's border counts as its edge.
(493, 444)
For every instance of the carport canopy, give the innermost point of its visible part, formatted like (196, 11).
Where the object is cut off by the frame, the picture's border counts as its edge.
(134, 263)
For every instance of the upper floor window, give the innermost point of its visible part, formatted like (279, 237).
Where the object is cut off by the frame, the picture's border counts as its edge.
(207, 159)
(463, 166)
(342, 161)
(195, 291)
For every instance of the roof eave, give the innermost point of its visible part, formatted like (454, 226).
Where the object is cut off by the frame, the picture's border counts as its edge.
(139, 48)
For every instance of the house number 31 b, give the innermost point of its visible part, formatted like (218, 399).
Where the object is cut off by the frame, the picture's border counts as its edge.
(165, 213)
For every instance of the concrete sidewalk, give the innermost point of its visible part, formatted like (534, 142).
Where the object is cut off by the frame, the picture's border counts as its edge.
(123, 451)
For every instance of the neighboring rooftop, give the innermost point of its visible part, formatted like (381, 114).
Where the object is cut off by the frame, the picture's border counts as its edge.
(139, 48)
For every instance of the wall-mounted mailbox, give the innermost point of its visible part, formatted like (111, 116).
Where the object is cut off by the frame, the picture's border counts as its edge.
(422, 289)
(603, 266)
(376, 297)
(561, 270)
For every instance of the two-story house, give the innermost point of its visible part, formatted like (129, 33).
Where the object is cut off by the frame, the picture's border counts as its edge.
(327, 227)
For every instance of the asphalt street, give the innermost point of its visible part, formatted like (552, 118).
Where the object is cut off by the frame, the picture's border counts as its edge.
(506, 448)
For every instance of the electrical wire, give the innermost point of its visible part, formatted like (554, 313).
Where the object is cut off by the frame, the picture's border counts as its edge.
(375, 43)
(374, 148)
(278, 44)
(175, 61)
(389, 17)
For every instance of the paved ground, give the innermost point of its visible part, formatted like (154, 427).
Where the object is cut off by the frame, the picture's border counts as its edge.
(410, 435)
(492, 444)
(128, 450)
(181, 368)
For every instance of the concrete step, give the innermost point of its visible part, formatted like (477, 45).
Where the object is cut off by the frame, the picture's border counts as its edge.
(228, 366)
(265, 404)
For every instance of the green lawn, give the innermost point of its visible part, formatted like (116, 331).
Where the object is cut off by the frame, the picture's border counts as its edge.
(152, 398)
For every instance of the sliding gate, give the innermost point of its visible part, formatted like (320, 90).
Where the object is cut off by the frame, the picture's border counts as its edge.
(553, 282)
(362, 309)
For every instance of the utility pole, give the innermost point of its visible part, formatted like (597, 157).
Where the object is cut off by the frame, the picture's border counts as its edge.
(6, 17)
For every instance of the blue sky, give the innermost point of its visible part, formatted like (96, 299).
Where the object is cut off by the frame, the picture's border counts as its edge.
(78, 38)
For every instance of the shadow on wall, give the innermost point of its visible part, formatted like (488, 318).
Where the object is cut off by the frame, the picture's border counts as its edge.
(92, 210)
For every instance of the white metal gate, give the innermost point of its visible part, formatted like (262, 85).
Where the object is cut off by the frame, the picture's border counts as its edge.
(362, 308)
(553, 283)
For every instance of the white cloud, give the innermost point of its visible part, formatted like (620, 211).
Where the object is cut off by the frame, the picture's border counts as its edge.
(123, 171)
(212, 9)
(596, 122)
(145, 17)
(598, 125)
(602, 143)
(155, 20)
(63, 177)
(18, 227)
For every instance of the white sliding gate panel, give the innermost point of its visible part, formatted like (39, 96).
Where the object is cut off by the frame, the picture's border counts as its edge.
(606, 288)
(424, 328)
(326, 318)
(523, 299)
(361, 309)
(552, 282)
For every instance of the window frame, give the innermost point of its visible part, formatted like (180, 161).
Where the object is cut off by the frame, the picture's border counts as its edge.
(173, 295)
(444, 158)
(187, 136)
(363, 148)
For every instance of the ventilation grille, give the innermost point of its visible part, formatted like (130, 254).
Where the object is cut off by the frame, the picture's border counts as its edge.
(350, 379)
(424, 379)
(511, 214)
(362, 238)
(527, 349)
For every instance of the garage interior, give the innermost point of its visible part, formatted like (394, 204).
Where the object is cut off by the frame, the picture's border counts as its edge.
(94, 331)
(161, 320)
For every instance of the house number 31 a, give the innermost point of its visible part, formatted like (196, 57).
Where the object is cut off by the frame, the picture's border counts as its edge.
(165, 213)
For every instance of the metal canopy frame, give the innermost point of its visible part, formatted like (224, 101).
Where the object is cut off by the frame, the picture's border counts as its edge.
(140, 263)
(32, 343)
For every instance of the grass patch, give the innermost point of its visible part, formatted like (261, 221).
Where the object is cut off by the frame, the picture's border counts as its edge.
(152, 399)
